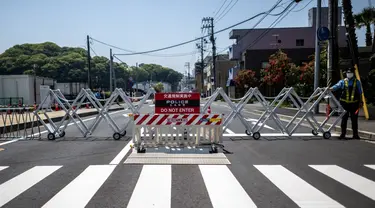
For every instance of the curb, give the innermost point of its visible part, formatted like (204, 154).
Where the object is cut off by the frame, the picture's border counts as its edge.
(365, 134)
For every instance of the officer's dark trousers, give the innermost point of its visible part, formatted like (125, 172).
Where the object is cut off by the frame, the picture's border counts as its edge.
(351, 109)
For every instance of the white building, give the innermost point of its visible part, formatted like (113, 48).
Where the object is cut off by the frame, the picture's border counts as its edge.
(27, 87)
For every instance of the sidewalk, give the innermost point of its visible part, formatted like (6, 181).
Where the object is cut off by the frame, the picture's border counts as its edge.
(366, 127)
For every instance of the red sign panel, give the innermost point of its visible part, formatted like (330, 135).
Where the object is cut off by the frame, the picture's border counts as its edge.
(177, 103)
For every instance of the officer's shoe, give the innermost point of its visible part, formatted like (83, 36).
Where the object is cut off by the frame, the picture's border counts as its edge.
(356, 137)
(342, 137)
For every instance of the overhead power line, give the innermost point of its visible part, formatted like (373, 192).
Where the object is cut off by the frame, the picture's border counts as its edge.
(273, 24)
(186, 42)
(220, 8)
(268, 13)
(156, 55)
(303, 7)
(219, 18)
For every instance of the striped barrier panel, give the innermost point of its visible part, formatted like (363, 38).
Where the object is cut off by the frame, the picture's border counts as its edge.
(177, 130)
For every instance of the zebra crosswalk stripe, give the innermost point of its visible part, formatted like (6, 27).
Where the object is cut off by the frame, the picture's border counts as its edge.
(79, 192)
(219, 192)
(349, 179)
(301, 192)
(3, 167)
(24, 181)
(153, 188)
(371, 166)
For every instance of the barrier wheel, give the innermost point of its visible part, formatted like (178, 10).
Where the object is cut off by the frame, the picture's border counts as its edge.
(256, 135)
(314, 132)
(51, 136)
(327, 135)
(62, 134)
(213, 149)
(116, 136)
(247, 132)
(141, 150)
(123, 134)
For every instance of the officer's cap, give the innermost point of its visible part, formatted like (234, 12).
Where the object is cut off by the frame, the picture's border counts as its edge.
(349, 70)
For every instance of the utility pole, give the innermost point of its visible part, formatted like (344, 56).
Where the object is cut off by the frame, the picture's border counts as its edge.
(208, 22)
(136, 78)
(201, 47)
(187, 64)
(89, 62)
(317, 49)
(110, 70)
(333, 74)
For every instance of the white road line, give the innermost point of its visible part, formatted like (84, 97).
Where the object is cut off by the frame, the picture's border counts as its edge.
(229, 131)
(9, 142)
(79, 192)
(3, 167)
(349, 179)
(17, 185)
(275, 134)
(122, 153)
(371, 166)
(219, 192)
(254, 121)
(153, 187)
(301, 192)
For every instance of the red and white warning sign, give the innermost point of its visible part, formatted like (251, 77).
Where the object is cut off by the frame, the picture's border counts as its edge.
(177, 103)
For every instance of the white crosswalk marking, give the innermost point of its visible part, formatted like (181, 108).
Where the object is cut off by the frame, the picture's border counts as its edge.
(24, 181)
(219, 192)
(301, 192)
(349, 179)
(79, 192)
(153, 187)
(371, 166)
(3, 167)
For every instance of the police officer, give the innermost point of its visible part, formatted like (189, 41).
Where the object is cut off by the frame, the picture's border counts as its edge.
(350, 98)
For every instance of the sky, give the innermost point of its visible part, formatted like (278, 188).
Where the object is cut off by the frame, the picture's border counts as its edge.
(139, 25)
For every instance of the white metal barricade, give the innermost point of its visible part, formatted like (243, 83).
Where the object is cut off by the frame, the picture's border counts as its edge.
(236, 109)
(308, 107)
(270, 112)
(177, 130)
(103, 113)
(55, 96)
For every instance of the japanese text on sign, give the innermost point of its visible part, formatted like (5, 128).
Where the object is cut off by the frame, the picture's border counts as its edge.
(177, 103)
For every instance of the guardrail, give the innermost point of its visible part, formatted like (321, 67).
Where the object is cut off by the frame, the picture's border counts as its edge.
(19, 123)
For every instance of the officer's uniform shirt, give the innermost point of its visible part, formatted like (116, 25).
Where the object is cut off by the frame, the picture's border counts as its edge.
(341, 85)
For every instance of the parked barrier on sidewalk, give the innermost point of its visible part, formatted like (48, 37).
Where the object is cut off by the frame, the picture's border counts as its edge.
(177, 130)
(18, 123)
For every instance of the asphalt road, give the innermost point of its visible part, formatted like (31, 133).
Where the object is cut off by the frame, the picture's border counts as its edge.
(275, 171)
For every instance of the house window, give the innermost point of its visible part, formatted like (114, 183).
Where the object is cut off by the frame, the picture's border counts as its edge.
(300, 42)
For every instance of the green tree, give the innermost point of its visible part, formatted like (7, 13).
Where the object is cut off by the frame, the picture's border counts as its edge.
(365, 19)
(349, 21)
(245, 79)
(159, 87)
